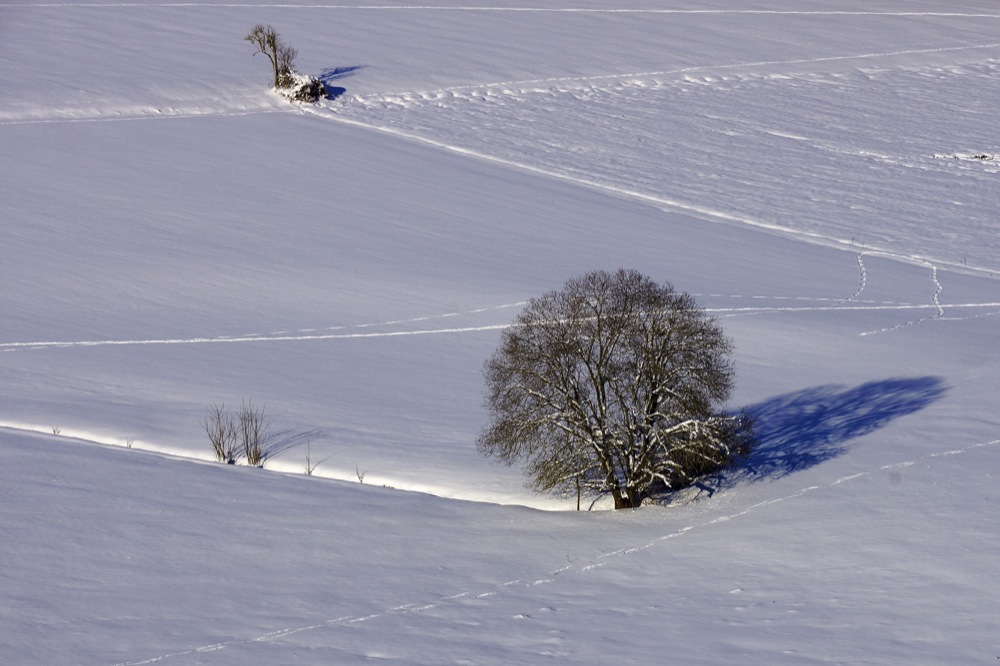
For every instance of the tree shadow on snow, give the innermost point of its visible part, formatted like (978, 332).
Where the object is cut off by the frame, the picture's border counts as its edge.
(328, 76)
(800, 430)
(288, 439)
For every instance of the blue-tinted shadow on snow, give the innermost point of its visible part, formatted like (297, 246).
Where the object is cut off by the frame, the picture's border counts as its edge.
(800, 430)
(328, 76)
(289, 439)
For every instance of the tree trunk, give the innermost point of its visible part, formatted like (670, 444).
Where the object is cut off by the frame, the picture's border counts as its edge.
(622, 501)
(626, 500)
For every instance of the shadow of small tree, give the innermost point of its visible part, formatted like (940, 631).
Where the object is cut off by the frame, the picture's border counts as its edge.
(800, 430)
(289, 439)
(328, 76)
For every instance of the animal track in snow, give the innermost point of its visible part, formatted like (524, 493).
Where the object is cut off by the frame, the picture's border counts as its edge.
(935, 301)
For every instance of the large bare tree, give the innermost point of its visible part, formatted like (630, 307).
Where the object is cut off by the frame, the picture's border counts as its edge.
(612, 385)
(266, 40)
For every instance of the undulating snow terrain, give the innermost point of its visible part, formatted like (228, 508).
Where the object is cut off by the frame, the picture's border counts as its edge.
(822, 175)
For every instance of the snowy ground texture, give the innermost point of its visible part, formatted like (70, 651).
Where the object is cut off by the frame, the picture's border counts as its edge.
(822, 175)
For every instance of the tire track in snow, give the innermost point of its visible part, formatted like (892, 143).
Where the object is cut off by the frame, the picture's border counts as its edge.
(125, 113)
(414, 320)
(315, 337)
(340, 332)
(422, 95)
(15, 346)
(305, 334)
(552, 575)
(479, 99)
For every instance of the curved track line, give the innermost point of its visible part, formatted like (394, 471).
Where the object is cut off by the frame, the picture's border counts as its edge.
(13, 346)
(310, 334)
(703, 212)
(305, 334)
(723, 311)
(550, 576)
(657, 200)
(397, 322)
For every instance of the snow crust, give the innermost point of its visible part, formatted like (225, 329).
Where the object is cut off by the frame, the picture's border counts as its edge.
(821, 175)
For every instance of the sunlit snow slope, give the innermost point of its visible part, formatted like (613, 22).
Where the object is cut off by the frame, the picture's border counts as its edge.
(823, 176)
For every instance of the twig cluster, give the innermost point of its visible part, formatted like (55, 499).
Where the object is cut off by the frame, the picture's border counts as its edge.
(246, 432)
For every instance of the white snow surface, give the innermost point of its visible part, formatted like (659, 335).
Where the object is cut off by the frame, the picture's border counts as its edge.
(822, 175)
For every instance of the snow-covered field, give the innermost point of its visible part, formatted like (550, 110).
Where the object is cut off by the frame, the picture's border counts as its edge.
(823, 175)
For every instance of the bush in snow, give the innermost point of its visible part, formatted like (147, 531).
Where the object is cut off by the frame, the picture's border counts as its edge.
(611, 386)
(254, 432)
(302, 88)
(247, 432)
(220, 426)
(292, 85)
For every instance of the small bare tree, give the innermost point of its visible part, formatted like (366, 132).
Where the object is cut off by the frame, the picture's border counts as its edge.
(266, 40)
(611, 386)
(254, 431)
(221, 430)
(310, 467)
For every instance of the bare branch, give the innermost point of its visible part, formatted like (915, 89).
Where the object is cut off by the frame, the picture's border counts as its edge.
(220, 427)
(610, 386)
(266, 40)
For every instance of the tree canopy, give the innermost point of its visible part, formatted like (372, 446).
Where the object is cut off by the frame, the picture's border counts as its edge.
(611, 385)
